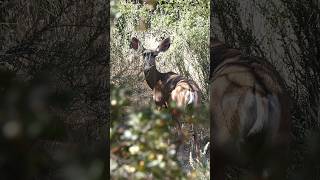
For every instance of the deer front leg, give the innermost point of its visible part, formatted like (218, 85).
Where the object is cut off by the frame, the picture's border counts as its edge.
(176, 114)
(196, 140)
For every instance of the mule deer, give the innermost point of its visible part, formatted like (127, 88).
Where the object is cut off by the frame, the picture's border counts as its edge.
(249, 114)
(168, 86)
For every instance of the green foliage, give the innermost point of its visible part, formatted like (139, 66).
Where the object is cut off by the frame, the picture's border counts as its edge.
(201, 166)
(139, 146)
(142, 143)
(186, 22)
(147, 129)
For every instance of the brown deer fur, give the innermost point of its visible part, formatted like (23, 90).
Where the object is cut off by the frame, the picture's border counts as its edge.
(168, 86)
(249, 114)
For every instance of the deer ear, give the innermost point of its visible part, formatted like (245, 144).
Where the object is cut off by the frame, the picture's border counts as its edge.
(164, 45)
(135, 43)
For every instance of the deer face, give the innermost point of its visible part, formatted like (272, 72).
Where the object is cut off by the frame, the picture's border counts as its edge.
(149, 56)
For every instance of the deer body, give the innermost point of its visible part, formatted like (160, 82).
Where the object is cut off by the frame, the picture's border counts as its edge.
(249, 113)
(168, 86)
(171, 87)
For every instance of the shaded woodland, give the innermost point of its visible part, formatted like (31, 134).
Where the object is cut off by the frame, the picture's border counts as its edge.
(54, 89)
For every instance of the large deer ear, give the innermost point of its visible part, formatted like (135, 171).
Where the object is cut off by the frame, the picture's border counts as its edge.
(135, 43)
(164, 45)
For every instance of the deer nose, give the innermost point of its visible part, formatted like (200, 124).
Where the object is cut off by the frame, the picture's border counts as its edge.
(147, 59)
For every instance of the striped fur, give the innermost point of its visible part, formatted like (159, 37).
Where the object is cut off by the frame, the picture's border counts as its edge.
(186, 92)
(249, 109)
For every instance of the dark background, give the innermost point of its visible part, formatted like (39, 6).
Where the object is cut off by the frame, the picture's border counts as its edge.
(53, 89)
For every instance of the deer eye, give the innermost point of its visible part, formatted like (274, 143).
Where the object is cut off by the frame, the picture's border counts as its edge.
(145, 54)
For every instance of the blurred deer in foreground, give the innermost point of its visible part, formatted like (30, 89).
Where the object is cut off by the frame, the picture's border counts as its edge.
(168, 86)
(249, 115)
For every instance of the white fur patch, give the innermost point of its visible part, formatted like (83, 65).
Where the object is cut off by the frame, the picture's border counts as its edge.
(191, 97)
(262, 114)
(267, 113)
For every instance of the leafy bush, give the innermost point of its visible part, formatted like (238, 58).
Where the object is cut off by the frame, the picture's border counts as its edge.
(142, 143)
(139, 143)
(185, 22)
(145, 128)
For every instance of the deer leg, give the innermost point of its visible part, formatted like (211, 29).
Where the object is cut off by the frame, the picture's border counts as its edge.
(180, 136)
(196, 141)
(179, 131)
(176, 118)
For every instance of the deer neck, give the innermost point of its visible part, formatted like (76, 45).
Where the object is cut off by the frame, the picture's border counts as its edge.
(152, 75)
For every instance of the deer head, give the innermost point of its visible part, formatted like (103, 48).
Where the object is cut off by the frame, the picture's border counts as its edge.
(149, 55)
